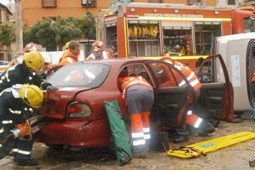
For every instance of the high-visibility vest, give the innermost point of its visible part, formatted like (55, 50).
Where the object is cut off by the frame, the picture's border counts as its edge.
(130, 81)
(102, 57)
(189, 74)
(68, 58)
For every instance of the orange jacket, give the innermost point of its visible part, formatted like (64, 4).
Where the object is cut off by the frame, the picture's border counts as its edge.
(253, 77)
(130, 81)
(189, 74)
(67, 58)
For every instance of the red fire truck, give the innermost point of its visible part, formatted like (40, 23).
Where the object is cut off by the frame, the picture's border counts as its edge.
(243, 20)
(154, 29)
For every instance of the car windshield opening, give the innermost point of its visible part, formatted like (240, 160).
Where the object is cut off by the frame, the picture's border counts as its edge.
(82, 74)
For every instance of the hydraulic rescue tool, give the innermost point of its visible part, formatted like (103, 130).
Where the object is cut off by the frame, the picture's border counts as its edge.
(16, 133)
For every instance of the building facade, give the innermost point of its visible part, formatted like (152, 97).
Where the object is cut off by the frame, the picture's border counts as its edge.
(5, 15)
(35, 10)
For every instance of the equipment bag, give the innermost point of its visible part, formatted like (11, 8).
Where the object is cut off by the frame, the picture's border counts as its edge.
(119, 132)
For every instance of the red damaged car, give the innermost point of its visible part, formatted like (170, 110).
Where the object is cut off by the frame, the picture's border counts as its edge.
(76, 116)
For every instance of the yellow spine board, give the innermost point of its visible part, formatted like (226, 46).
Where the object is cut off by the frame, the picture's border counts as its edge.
(205, 147)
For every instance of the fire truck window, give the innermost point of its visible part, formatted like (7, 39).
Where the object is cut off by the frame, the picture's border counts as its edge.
(249, 24)
(165, 76)
(205, 74)
(204, 35)
(143, 39)
(111, 36)
(177, 42)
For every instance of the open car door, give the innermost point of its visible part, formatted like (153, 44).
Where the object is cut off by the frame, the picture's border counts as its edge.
(170, 99)
(216, 96)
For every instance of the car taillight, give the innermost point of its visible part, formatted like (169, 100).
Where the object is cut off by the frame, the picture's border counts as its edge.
(78, 110)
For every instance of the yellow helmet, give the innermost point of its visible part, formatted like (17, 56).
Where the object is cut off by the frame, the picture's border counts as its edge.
(34, 60)
(66, 46)
(31, 95)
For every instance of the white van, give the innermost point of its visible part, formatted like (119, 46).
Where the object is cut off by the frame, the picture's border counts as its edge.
(238, 53)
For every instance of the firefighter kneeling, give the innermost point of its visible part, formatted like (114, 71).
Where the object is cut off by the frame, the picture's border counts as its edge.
(190, 118)
(16, 106)
(139, 100)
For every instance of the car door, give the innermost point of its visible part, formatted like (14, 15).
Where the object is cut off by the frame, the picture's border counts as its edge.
(216, 94)
(170, 99)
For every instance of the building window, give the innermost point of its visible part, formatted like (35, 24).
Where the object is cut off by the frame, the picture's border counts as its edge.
(155, 1)
(231, 2)
(89, 3)
(49, 3)
(191, 2)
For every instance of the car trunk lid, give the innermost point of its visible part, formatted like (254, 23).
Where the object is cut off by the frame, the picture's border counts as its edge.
(55, 104)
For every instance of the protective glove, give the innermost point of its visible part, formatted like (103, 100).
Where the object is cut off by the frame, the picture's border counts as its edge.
(25, 129)
(51, 89)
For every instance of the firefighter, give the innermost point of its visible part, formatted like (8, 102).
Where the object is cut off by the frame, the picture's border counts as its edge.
(71, 54)
(139, 98)
(31, 47)
(98, 51)
(16, 106)
(19, 56)
(203, 126)
(27, 72)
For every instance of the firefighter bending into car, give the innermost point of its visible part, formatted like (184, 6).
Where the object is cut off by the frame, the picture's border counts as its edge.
(71, 54)
(28, 72)
(98, 52)
(203, 126)
(16, 106)
(139, 98)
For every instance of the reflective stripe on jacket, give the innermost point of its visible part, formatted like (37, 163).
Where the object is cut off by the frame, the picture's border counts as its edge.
(130, 81)
(189, 74)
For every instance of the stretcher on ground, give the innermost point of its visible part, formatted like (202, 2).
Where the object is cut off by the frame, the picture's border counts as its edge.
(202, 148)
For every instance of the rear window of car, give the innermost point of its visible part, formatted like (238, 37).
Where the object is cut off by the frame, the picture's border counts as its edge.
(83, 74)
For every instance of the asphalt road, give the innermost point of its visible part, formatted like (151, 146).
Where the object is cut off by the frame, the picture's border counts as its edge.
(234, 157)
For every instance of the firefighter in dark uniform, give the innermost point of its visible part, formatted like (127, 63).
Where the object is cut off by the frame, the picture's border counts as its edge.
(16, 106)
(27, 72)
(139, 97)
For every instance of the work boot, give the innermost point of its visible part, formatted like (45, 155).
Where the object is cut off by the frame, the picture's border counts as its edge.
(140, 151)
(26, 162)
(143, 154)
(235, 120)
(205, 129)
(181, 138)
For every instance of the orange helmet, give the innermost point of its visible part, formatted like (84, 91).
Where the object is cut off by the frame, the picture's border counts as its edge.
(31, 47)
(98, 46)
